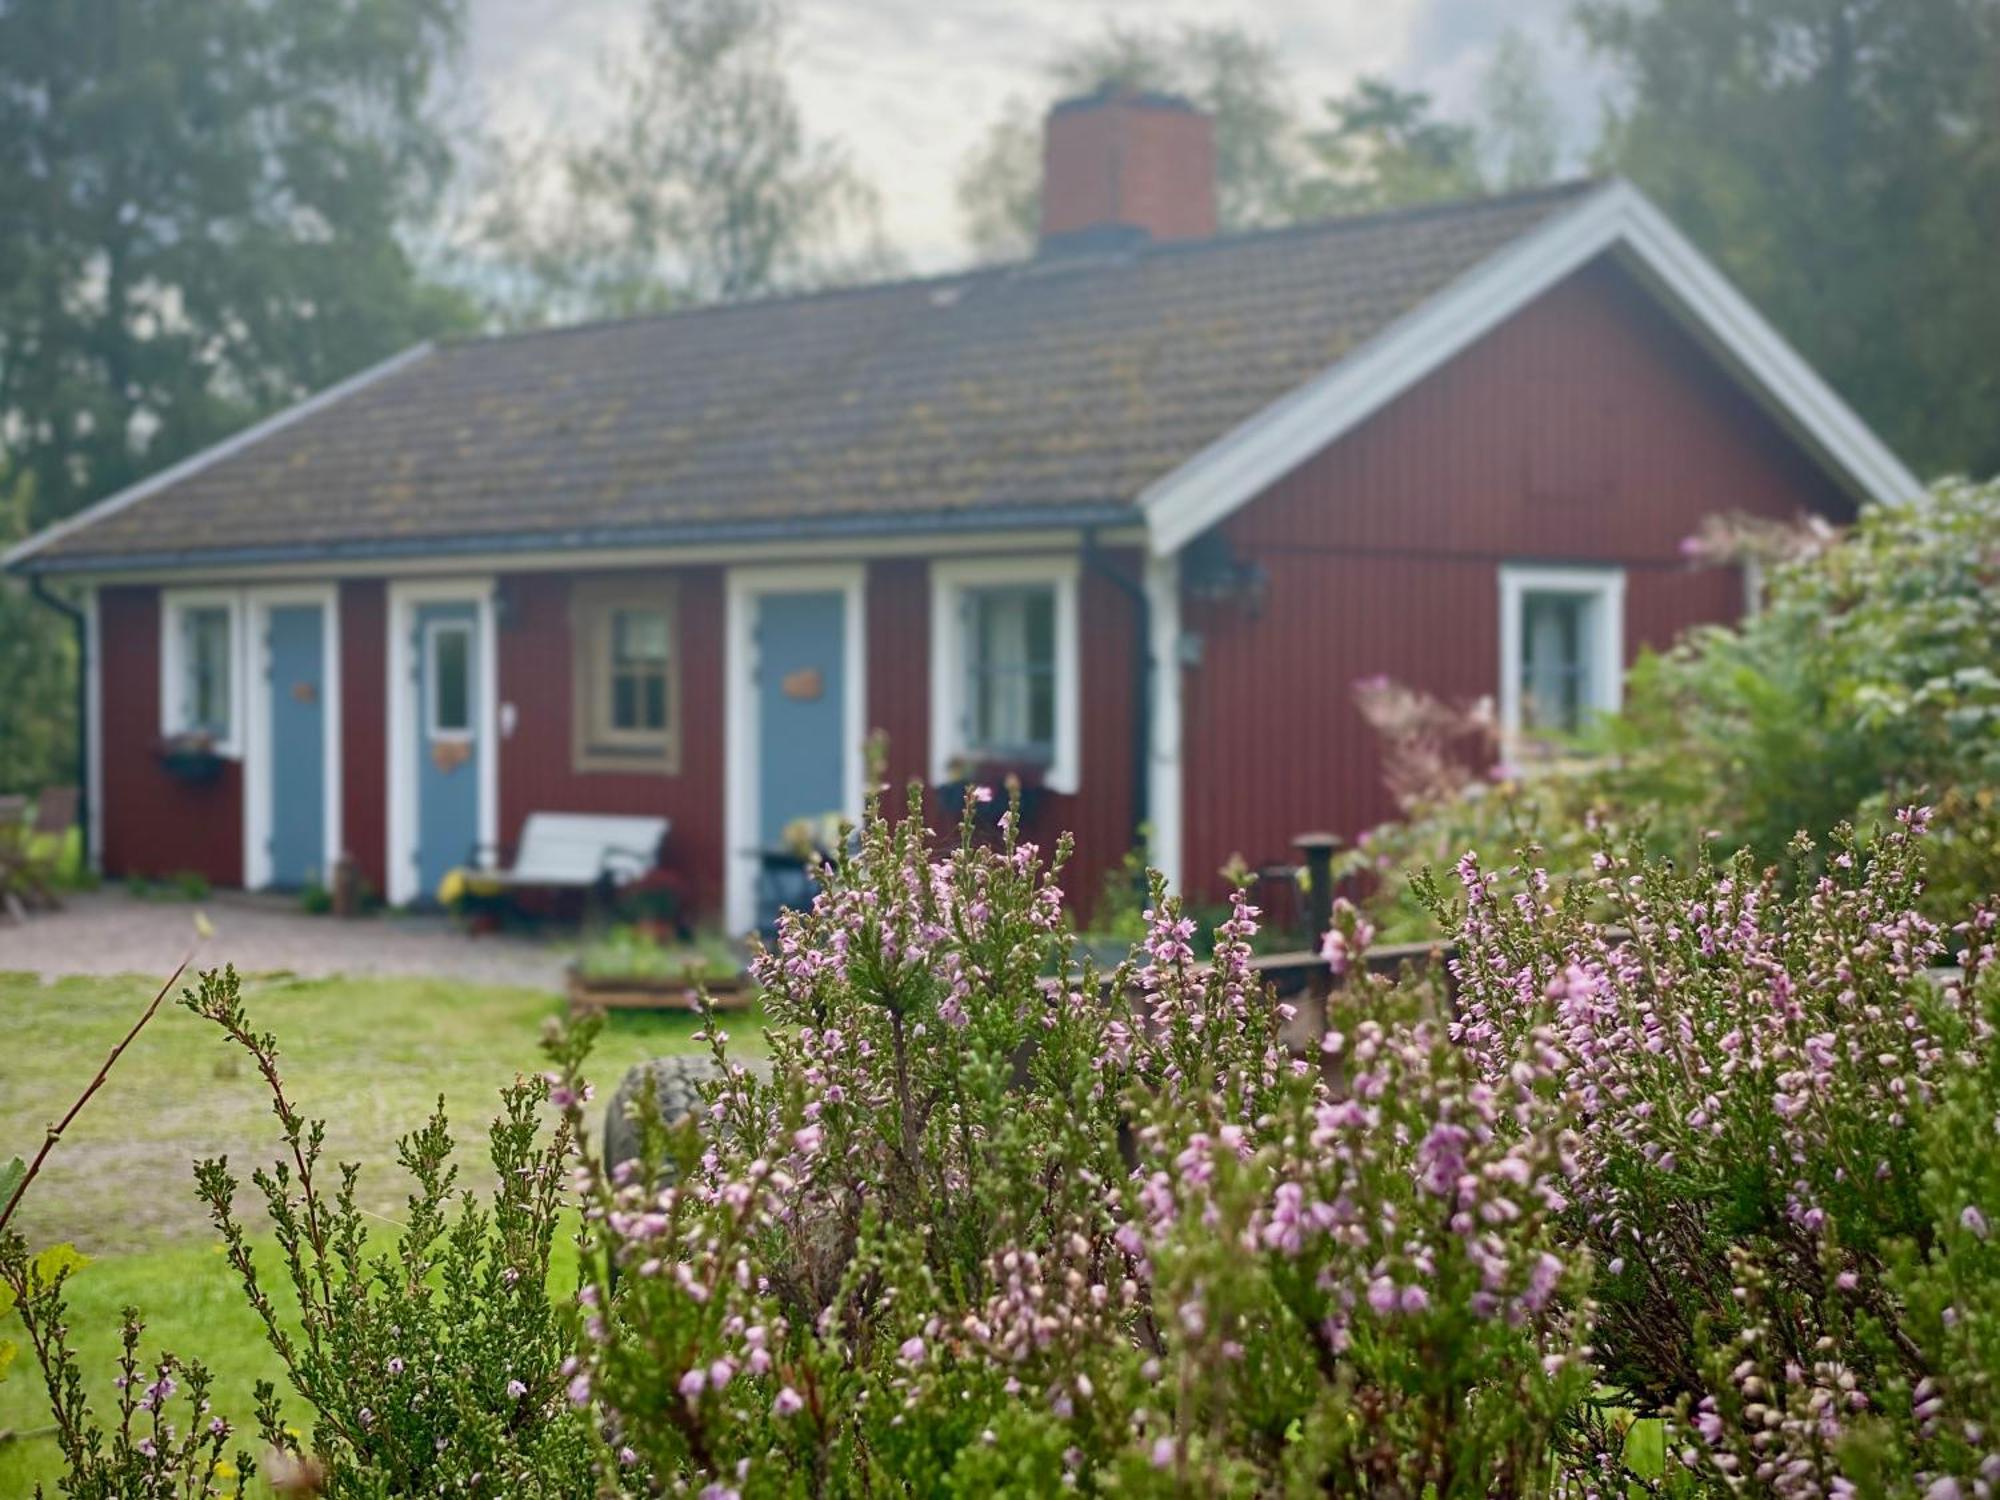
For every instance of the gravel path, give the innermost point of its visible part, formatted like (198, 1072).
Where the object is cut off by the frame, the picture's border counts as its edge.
(109, 932)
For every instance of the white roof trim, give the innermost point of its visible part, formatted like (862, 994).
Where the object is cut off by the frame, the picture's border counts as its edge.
(1245, 461)
(194, 463)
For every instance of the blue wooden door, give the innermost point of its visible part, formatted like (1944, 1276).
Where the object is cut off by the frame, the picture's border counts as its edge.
(448, 712)
(295, 642)
(801, 757)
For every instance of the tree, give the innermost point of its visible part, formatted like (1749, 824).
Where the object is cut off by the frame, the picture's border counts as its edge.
(1237, 78)
(37, 670)
(1521, 138)
(201, 206)
(703, 187)
(1386, 148)
(1841, 160)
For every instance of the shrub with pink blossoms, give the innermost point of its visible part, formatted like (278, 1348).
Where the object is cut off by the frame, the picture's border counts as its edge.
(1000, 1224)
(1771, 1091)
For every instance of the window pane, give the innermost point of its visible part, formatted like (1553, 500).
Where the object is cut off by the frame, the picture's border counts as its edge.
(638, 635)
(451, 688)
(1010, 671)
(1557, 680)
(654, 711)
(624, 702)
(207, 686)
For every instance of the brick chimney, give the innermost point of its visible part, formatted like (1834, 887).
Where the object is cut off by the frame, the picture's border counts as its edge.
(1121, 167)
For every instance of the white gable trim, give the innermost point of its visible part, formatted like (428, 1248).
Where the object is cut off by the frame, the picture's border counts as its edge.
(1244, 462)
(194, 463)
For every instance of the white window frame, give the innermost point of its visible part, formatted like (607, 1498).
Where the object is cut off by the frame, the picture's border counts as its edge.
(951, 581)
(174, 606)
(1604, 587)
(432, 730)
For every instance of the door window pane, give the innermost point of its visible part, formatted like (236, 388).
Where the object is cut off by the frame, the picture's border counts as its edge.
(451, 680)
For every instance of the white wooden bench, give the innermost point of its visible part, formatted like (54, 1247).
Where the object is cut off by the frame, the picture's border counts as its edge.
(582, 851)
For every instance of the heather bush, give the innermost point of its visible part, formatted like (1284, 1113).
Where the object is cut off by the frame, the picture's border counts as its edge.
(1785, 1124)
(998, 1223)
(432, 1367)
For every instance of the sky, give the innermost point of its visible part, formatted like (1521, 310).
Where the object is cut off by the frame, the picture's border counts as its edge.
(909, 87)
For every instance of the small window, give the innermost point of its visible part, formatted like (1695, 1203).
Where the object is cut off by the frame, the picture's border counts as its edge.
(198, 687)
(1010, 669)
(1562, 634)
(1005, 650)
(208, 684)
(625, 676)
(448, 680)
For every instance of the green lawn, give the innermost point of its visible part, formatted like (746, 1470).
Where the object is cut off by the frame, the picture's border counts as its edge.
(370, 1056)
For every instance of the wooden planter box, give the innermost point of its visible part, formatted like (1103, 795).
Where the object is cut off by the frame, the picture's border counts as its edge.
(649, 992)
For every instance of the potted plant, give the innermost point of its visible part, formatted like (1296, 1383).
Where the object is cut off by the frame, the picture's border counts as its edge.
(192, 757)
(1000, 780)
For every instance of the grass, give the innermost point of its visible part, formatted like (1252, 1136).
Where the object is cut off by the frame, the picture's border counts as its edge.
(371, 1056)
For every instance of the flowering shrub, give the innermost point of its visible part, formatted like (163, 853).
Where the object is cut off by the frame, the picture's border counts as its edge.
(1785, 1154)
(998, 1223)
(1687, 1146)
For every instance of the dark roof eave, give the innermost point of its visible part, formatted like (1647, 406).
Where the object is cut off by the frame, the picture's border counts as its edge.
(583, 539)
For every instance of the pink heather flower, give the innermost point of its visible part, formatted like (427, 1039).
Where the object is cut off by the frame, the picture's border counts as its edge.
(579, 1391)
(1163, 1453)
(395, 1364)
(1382, 1296)
(721, 1373)
(807, 1140)
(1974, 1221)
(789, 1403)
(516, 1389)
(145, 1446)
(628, 1457)
(912, 1351)
(692, 1382)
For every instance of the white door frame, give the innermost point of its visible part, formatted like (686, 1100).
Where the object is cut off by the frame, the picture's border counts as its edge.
(741, 770)
(258, 780)
(405, 595)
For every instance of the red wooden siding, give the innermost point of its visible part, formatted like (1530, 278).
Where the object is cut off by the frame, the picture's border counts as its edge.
(1588, 428)
(899, 670)
(1100, 813)
(364, 727)
(537, 767)
(155, 824)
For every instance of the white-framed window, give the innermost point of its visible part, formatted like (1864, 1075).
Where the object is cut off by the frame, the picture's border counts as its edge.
(1562, 647)
(201, 666)
(1005, 667)
(626, 670)
(448, 680)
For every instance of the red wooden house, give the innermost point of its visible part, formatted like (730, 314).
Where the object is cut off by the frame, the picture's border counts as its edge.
(1129, 517)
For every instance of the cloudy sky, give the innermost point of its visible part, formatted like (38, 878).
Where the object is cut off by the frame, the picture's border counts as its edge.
(910, 85)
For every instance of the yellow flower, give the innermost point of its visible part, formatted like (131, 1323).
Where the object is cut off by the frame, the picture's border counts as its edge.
(451, 889)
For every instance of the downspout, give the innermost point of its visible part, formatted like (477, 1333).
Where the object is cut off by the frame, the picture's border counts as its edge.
(1142, 683)
(38, 587)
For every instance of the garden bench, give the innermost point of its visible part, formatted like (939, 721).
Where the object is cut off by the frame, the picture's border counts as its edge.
(582, 852)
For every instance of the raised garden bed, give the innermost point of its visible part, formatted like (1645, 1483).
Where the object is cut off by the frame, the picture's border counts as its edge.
(589, 992)
(631, 969)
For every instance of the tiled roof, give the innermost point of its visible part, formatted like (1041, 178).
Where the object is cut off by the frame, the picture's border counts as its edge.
(998, 395)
